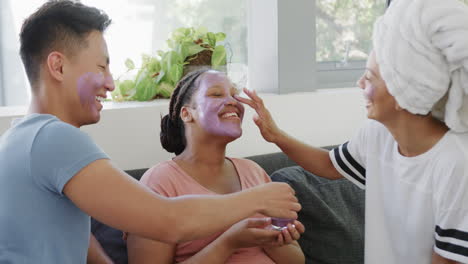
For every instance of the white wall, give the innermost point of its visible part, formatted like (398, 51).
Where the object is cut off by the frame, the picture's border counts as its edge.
(129, 132)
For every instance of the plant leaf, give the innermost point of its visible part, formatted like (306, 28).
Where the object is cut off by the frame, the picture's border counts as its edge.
(145, 88)
(220, 36)
(165, 89)
(218, 58)
(171, 58)
(192, 49)
(201, 32)
(153, 65)
(176, 72)
(129, 64)
(211, 39)
(161, 75)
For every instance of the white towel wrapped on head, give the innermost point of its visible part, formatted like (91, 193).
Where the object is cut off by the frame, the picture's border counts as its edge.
(421, 48)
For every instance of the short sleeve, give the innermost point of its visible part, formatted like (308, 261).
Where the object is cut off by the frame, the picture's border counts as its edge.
(160, 179)
(254, 169)
(60, 151)
(349, 158)
(451, 221)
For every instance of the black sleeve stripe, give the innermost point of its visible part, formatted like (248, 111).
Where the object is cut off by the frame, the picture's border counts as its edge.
(452, 248)
(345, 168)
(452, 233)
(353, 162)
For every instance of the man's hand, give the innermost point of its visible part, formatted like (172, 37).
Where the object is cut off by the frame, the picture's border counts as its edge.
(275, 200)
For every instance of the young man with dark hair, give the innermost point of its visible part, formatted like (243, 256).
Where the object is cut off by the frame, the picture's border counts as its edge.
(53, 176)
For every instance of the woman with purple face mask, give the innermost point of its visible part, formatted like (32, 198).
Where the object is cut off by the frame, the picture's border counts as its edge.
(203, 118)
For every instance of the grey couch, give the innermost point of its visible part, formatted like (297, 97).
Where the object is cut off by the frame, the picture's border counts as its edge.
(333, 214)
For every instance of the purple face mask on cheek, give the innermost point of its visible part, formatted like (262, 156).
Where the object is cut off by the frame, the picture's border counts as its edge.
(369, 91)
(209, 109)
(88, 85)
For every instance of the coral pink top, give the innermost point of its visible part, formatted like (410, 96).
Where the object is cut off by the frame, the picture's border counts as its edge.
(170, 180)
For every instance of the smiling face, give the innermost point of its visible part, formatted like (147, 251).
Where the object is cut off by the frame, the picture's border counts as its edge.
(89, 79)
(380, 104)
(216, 110)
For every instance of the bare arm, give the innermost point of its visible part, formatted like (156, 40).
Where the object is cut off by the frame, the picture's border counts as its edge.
(142, 251)
(437, 259)
(111, 196)
(247, 233)
(291, 253)
(315, 160)
(96, 254)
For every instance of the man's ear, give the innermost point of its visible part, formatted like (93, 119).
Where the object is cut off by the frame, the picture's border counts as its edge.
(185, 114)
(54, 65)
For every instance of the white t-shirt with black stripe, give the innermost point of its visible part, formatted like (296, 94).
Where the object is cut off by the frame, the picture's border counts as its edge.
(414, 205)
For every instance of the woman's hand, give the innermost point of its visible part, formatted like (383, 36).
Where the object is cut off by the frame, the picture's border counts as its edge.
(291, 233)
(262, 119)
(250, 232)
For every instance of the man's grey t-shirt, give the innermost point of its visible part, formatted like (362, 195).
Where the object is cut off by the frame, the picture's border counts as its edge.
(39, 154)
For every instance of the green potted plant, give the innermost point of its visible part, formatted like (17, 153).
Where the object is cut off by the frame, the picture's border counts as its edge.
(189, 48)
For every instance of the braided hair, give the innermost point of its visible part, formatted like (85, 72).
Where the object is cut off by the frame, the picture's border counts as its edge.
(172, 134)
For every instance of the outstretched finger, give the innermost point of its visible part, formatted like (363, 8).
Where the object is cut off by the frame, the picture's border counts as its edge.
(253, 95)
(257, 98)
(245, 101)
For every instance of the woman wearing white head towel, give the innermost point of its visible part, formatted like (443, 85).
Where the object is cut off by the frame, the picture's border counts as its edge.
(412, 155)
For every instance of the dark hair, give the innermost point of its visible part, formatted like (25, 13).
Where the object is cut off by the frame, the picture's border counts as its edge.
(172, 127)
(57, 25)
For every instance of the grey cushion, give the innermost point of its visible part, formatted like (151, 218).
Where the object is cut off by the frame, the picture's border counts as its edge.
(272, 162)
(136, 173)
(111, 241)
(333, 214)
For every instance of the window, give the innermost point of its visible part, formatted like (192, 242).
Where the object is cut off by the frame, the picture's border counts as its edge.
(311, 44)
(143, 26)
(260, 35)
(344, 39)
(139, 27)
(13, 83)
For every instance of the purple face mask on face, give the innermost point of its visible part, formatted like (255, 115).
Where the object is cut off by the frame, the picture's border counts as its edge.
(218, 115)
(369, 92)
(88, 86)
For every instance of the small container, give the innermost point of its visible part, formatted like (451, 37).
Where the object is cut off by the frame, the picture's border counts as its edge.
(280, 223)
